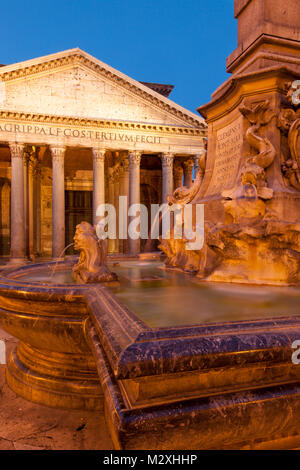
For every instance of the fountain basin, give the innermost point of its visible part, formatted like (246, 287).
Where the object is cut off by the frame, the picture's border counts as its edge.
(52, 364)
(213, 385)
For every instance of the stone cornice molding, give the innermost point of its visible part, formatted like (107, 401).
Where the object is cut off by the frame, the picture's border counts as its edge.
(16, 150)
(77, 57)
(107, 124)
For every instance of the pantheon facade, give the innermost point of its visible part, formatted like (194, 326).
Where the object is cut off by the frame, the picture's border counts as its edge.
(75, 133)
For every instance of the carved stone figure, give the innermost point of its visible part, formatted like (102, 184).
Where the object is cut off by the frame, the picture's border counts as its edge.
(253, 170)
(91, 266)
(252, 244)
(185, 195)
(289, 123)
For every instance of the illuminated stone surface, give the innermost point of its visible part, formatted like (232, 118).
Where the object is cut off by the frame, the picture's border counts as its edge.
(254, 139)
(74, 102)
(211, 386)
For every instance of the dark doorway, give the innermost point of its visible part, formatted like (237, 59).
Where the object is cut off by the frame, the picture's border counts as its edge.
(79, 206)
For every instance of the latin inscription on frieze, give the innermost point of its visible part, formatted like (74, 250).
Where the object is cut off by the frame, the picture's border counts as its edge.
(69, 132)
(229, 141)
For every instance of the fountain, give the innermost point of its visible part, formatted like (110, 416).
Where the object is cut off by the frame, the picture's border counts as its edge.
(166, 376)
(176, 360)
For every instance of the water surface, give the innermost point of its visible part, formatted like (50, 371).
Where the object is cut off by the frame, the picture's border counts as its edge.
(169, 298)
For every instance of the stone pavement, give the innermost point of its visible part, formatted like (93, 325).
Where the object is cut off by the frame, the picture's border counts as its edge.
(27, 426)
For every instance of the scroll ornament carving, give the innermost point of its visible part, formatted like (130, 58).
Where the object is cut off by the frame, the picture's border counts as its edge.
(289, 123)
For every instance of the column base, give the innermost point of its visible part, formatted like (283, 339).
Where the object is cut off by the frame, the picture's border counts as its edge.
(57, 380)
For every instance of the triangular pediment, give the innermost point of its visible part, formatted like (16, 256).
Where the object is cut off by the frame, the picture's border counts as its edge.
(73, 83)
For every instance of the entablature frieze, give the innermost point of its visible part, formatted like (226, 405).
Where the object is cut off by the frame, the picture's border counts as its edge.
(71, 131)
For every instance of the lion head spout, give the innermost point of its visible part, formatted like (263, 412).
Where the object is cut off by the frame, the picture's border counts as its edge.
(91, 266)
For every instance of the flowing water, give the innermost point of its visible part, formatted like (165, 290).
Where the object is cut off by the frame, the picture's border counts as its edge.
(54, 268)
(163, 298)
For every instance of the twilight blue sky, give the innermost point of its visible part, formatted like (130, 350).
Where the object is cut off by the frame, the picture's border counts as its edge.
(180, 42)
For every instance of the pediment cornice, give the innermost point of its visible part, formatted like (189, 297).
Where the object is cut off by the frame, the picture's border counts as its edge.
(76, 57)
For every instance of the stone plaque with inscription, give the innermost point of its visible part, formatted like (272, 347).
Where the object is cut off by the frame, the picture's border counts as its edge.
(229, 141)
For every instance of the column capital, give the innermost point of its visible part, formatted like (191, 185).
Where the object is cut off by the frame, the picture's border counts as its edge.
(196, 159)
(167, 159)
(16, 149)
(98, 154)
(58, 151)
(189, 163)
(134, 158)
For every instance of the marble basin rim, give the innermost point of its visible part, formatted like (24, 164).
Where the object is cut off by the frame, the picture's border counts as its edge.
(80, 347)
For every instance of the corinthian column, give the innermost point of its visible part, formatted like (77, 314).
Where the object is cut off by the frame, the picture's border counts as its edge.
(37, 207)
(58, 201)
(134, 192)
(178, 172)
(111, 200)
(116, 200)
(188, 172)
(17, 202)
(196, 165)
(167, 175)
(98, 181)
(123, 211)
(31, 164)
